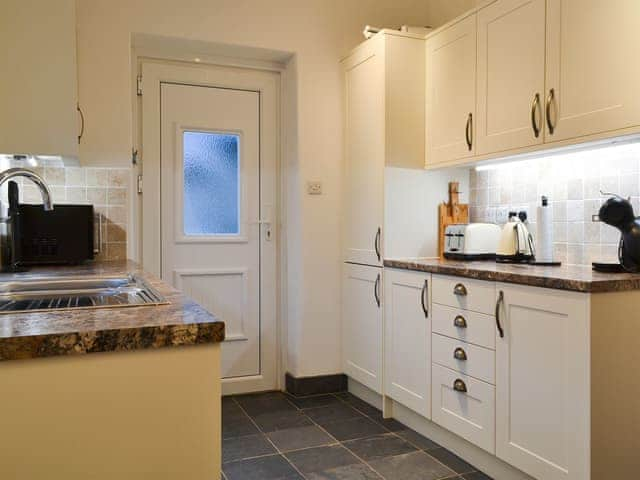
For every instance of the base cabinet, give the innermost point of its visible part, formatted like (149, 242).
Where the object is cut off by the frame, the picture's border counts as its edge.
(407, 340)
(362, 324)
(542, 382)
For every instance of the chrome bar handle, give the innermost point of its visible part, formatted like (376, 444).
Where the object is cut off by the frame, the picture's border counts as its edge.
(98, 249)
(459, 386)
(423, 300)
(376, 243)
(535, 107)
(376, 292)
(468, 132)
(499, 303)
(550, 98)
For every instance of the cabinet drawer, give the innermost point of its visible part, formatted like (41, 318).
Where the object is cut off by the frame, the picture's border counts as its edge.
(470, 413)
(479, 363)
(471, 327)
(465, 293)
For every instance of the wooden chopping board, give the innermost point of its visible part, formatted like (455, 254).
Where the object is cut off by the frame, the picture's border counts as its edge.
(449, 213)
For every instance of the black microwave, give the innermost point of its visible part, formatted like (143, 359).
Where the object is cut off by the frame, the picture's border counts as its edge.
(64, 235)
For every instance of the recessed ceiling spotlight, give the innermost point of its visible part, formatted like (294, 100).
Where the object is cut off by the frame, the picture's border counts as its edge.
(197, 59)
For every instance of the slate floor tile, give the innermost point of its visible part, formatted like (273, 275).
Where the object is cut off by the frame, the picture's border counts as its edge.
(350, 472)
(237, 426)
(258, 403)
(302, 437)
(332, 413)
(410, 466)
(359, 404)
(379, 446)
(390, 424)
(245, 447)
(321, 459)
(353, 428)
(281, 420)
(452, 461)
(476, 476)
(314, 401)
(273, 467)
(418, 440)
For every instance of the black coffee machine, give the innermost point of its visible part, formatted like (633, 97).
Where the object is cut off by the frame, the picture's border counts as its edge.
(618, 212)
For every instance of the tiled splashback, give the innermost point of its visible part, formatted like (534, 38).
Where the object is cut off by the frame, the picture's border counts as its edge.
(572, 182)
(107, 189)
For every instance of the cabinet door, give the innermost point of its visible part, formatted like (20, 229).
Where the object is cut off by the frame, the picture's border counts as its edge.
(510, 75)
(542, 382)
(592, 67)
(451, 93)
(362, 324)
(38, 85)
(407, 340)
(364, 151)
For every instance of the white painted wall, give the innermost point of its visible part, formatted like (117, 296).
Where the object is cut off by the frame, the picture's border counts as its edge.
(319, 33)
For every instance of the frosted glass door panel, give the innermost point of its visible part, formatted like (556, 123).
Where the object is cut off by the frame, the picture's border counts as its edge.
(211, 168)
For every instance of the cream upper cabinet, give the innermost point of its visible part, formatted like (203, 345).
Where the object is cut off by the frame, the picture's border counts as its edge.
(451, 93)
(592, 68)
(38, 85)
(362, 324)
(542, 381)
(407, 339)
(511, 56)
(384, 120)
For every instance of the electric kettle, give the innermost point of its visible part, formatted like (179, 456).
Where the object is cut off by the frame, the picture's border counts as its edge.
(516, 243)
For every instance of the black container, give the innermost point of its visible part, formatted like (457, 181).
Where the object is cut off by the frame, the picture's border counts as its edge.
(64, 235)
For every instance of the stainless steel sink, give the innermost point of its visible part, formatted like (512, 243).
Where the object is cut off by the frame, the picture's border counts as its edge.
(54, 293)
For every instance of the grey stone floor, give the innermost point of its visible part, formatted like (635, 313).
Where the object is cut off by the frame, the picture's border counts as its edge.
(272, 435)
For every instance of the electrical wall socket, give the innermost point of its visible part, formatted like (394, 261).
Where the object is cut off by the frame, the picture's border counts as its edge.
(314, 188)
(502, 215)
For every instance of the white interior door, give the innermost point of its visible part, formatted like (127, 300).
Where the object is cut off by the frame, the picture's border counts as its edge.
(216, 179)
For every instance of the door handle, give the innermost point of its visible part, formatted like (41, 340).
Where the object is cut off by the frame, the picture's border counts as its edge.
(535, 108)
(499, 303)
(81, 123)
(550, 98)
(423, 300)
(468, 131)
(376, 290)
(376, 243)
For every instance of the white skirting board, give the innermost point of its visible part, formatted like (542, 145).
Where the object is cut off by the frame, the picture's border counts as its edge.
(483, 461)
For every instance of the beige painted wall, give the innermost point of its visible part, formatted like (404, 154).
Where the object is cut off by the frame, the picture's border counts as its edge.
(319, 32)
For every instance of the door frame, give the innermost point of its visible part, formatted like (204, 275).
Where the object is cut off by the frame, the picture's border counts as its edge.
(268, 84)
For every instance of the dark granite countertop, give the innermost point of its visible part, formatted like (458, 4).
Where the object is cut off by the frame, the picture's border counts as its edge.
(90, 330)
(575, 278)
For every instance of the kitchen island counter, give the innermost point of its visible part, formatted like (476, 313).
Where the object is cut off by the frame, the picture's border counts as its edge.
(75, 331)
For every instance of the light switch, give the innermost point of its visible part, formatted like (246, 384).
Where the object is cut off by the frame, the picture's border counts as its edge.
(314, 188)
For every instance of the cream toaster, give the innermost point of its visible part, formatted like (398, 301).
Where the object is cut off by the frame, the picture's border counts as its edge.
(471, 241)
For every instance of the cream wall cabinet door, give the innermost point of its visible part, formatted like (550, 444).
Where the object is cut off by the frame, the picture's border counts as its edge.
(38, 84)
(365, 157)
(592, 68)
(542, 382)
(407, 340)
(451, 93)
(511, 56)
(362, 324)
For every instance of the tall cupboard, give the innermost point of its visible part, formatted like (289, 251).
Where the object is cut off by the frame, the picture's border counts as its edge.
(384, 127)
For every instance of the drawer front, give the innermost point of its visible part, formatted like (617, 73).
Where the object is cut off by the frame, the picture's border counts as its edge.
(465, 293)
(471, 327)
(470, 413)
(478, 362)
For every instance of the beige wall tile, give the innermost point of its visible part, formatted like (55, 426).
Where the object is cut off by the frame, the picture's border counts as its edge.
(116, 196)
(118, 177)
(77, 194)
(116, 233)
(97, 177)
(54, 176)
(75, 177)
(97, 195)
(117, 214)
